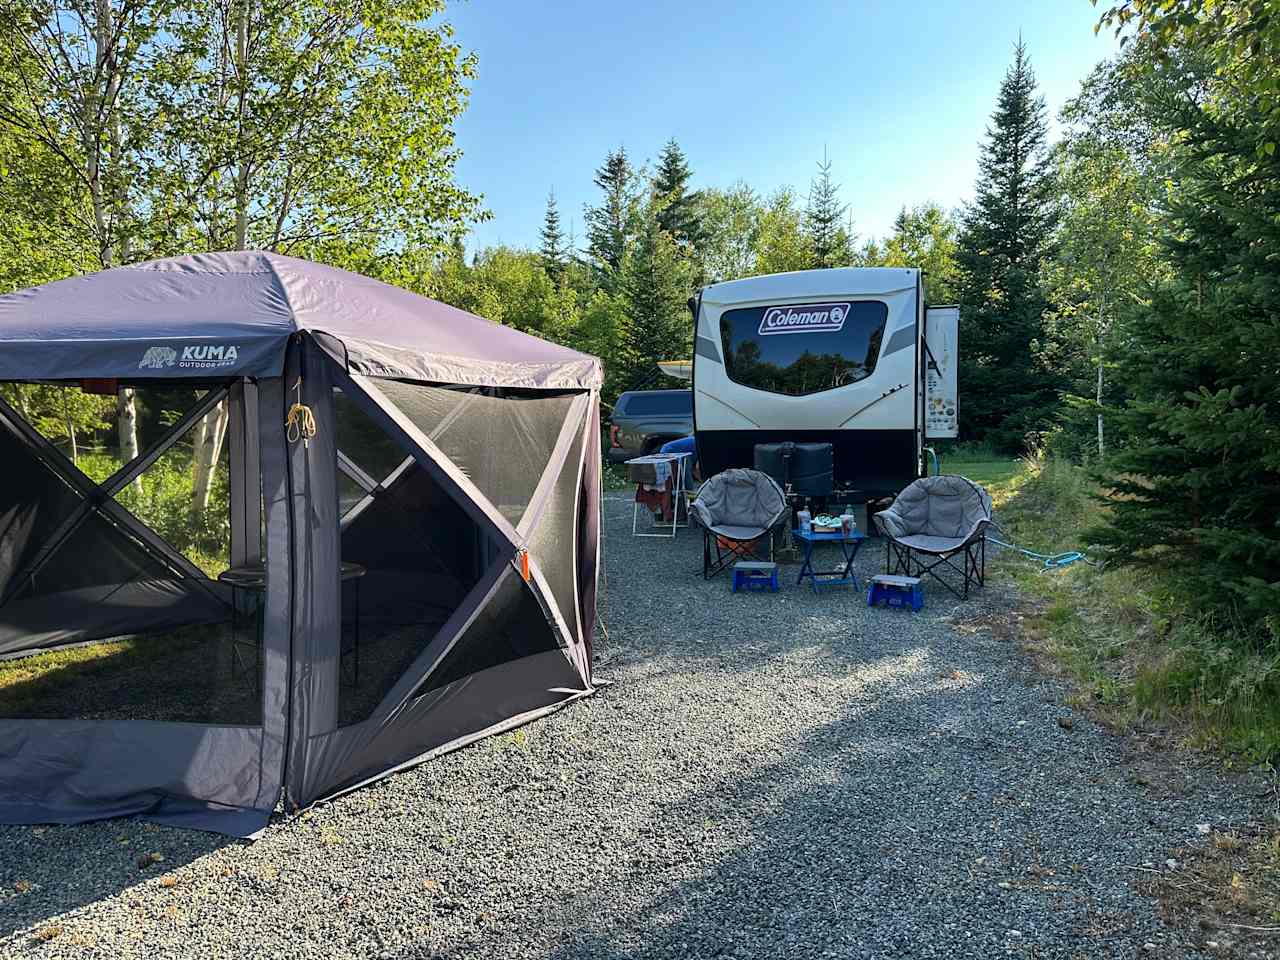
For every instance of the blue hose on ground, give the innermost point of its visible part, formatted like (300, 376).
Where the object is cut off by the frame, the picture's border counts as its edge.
(1051, 561)
(933, 455)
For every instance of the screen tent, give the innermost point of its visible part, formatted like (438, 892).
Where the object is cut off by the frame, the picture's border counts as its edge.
(211, 604)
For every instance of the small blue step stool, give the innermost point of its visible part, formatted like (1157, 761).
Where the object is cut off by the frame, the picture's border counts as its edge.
(895, 591)
(755, 575)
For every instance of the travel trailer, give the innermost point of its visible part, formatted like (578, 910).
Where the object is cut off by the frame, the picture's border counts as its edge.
(854, 357)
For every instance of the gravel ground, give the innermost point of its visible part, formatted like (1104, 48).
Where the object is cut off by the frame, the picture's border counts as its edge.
(768, 776)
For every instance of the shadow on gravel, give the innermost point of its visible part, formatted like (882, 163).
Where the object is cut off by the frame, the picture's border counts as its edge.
(46, 871)
(865, 840)
(942, 813)
(863, 845)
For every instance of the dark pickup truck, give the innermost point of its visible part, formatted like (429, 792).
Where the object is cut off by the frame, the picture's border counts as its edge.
(643, 420)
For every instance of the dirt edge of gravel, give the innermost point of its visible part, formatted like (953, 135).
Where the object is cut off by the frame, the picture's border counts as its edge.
(1223, 892)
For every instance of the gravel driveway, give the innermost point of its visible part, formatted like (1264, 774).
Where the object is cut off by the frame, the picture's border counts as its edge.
(768, 776)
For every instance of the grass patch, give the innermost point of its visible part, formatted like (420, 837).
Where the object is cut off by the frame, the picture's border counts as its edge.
(69, 660)
(1125, 635)
(47, 933)
(998, 475)
(614, 477)
(1141, 661)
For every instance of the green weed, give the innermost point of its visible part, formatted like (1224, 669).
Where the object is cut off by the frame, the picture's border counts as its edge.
(1126, 635)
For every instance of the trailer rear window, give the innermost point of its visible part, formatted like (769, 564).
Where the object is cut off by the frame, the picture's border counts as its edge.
(798, 349)
(672, 403)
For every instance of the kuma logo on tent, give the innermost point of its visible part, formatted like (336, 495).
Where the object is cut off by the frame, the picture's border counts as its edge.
(204, 356)
(804, 318)
(157, 358)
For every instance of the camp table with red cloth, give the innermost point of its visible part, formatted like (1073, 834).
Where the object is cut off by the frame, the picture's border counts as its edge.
(659, 480)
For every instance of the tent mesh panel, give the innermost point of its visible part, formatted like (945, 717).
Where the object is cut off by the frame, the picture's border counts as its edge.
(502, 443)
(94, 419)
(350, 494)
(193, 674)
(588, 530)
(34, 503)
(363, 441)
(554, 540)
(97, 622)
(164, 497)
(97, 554)
(509, 627)
(423, 553)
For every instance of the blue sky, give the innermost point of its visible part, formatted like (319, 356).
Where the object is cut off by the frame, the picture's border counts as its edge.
(898, 93)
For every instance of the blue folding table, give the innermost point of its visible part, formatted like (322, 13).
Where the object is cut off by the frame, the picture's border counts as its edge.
(849, 546)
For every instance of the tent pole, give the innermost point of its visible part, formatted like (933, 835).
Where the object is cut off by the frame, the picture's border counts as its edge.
(245, 474)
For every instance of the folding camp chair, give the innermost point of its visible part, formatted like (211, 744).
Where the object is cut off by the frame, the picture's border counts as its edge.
(933, 523)
(738, 511)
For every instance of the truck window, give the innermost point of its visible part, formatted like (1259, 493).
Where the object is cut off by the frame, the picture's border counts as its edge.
(676, 403)
(803, 348)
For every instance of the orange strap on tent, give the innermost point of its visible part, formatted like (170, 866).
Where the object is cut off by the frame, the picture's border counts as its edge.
(524, 565)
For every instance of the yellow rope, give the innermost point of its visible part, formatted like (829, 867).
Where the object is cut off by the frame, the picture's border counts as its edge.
(300, 423)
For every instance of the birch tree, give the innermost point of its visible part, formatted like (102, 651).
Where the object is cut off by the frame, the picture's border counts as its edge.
(319, 128)
(37, 199)
(313, 127)
(1107, 253)
(332, 138)
(70, 91)
(1112, 170)
(72, 68)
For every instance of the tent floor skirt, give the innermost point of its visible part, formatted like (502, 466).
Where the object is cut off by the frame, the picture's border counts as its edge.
(167, 811)
(503, 726)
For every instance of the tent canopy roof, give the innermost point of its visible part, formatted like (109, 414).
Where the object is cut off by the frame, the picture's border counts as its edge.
(231, 314)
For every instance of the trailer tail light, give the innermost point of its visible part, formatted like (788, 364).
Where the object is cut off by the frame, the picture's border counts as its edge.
(613, 435)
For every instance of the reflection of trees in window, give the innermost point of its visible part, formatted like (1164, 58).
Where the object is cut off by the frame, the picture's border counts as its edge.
(808, 373)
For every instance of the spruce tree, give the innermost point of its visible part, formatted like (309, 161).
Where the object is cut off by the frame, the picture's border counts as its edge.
(554, 252)
(1006, 235)
(831, 242)
(1198, 486)
(611, 226)
(655, 288)
(680, 214)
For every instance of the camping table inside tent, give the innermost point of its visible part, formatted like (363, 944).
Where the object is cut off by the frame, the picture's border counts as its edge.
(252, 578)
(669, 471)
